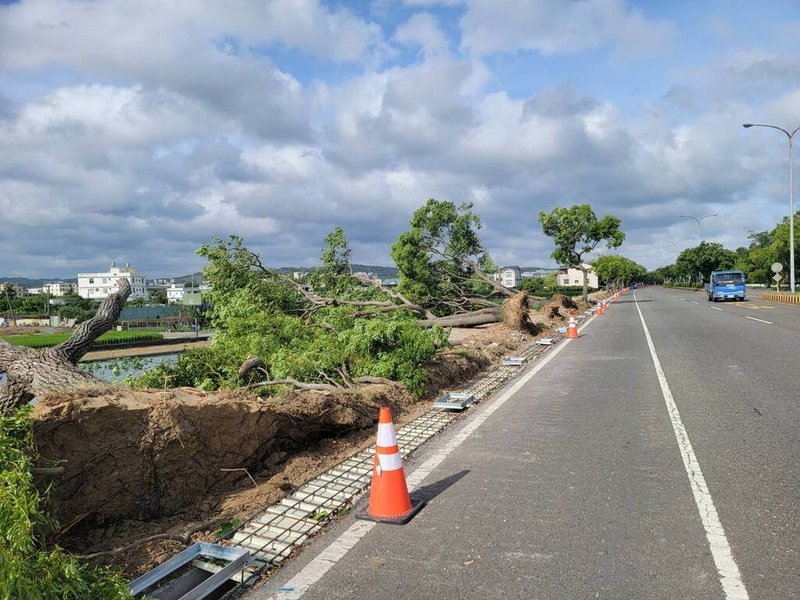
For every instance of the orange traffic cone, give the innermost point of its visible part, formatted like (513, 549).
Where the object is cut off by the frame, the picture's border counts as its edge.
(389, 501)
(572, 329)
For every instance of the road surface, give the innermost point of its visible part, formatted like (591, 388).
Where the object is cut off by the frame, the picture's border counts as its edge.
(600, 476)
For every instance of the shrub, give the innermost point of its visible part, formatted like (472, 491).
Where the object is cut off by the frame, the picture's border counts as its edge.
(29, 569)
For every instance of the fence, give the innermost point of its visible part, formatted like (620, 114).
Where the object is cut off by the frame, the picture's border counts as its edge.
(785, 298)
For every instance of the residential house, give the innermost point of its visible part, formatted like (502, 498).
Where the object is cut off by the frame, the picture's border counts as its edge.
(510, 276)
(99, 285)
(571, 276)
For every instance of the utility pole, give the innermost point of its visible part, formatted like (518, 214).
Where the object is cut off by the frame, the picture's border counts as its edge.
(10, 306)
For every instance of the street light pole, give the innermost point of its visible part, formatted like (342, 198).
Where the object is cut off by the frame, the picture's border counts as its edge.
(790, 136)
(698, 223)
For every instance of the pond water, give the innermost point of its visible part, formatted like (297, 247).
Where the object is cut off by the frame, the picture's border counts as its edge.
(119, 368)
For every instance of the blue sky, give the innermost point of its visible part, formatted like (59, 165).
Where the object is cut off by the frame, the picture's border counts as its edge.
(136, 130)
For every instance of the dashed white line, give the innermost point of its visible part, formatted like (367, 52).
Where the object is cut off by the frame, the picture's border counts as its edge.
(679, 298)
(729, 575)
(759, 320)
(693, 302)
(322, 563)
(714, 308)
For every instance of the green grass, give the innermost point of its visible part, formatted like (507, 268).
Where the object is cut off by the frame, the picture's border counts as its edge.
(47, 340)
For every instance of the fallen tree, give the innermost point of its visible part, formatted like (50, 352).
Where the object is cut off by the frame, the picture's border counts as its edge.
(32, 372)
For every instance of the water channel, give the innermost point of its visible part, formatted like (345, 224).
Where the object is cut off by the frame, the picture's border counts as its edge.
(118, 369)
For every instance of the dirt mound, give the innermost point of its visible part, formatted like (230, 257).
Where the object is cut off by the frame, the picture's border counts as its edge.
(560, 307)
(453, 367)
(147, 454)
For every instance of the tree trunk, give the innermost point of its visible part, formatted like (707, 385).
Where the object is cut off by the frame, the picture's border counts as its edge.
(32, 372)
(470, 319)
(585, 283)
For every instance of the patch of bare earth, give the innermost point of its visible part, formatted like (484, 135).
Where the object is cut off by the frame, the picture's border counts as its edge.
(174, 465)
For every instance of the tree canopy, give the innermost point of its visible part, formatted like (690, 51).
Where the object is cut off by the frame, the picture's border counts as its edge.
(702, 259)
(576, 232)
(617, 270)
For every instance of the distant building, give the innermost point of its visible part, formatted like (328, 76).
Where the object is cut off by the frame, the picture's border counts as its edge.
(390, 282)
(568, 276)
(175, 293)
(59, 288)
(18, 290)
(35, 291)
(538, 273)
(182, 293)
(99, 285)
(510, 276)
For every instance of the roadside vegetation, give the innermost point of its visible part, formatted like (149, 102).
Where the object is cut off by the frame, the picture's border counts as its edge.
(694, 265)
(48, 340)
(31, 566)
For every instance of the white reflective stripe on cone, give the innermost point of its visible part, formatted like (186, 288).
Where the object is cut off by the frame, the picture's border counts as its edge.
(386, 437)
(390, 462)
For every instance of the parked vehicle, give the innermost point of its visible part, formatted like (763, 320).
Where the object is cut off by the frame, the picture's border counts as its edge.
(724, 285)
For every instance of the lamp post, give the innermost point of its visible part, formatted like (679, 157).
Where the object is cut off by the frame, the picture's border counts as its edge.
(790, 136)
(698, 223)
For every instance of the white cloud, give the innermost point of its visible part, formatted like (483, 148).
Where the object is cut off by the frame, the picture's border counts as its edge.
(158, 132)
(422, 30)
(37, 33)
(557, 27)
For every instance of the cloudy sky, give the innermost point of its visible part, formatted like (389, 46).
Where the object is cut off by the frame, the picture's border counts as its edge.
(135, 130)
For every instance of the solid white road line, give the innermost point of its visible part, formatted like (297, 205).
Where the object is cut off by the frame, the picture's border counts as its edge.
(729, 576)
(322, 563)
(714, 308)
(759, 320)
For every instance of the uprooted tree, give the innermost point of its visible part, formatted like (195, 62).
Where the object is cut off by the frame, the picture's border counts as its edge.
(444, 267)
(32, 372)
(340, 330)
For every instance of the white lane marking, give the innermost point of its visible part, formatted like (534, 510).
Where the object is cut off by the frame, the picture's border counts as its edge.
(729, 575)
(759, 320)
(693, 302)
(679, 298)
(316, 569)
(714, 308)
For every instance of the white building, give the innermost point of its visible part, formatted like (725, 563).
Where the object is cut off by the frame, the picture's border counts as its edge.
(181, 293)
(100, 285)
(572, 276)
(510, 276)
(58, 289)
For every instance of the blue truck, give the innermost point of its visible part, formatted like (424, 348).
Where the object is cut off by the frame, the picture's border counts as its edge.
(724, 285)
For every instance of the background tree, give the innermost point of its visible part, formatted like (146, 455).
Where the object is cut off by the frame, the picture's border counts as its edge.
(576, 232)
(616, 271)
(702, 259)
(73, 306)
(335, 274)
(157, 295)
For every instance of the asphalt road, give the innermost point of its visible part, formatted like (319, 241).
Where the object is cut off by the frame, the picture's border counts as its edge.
(577, 486)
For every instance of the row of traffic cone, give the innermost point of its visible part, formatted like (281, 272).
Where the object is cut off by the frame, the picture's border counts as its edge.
(389, 500)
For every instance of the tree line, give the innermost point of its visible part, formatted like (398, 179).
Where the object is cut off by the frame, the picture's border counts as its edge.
(694, 265)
